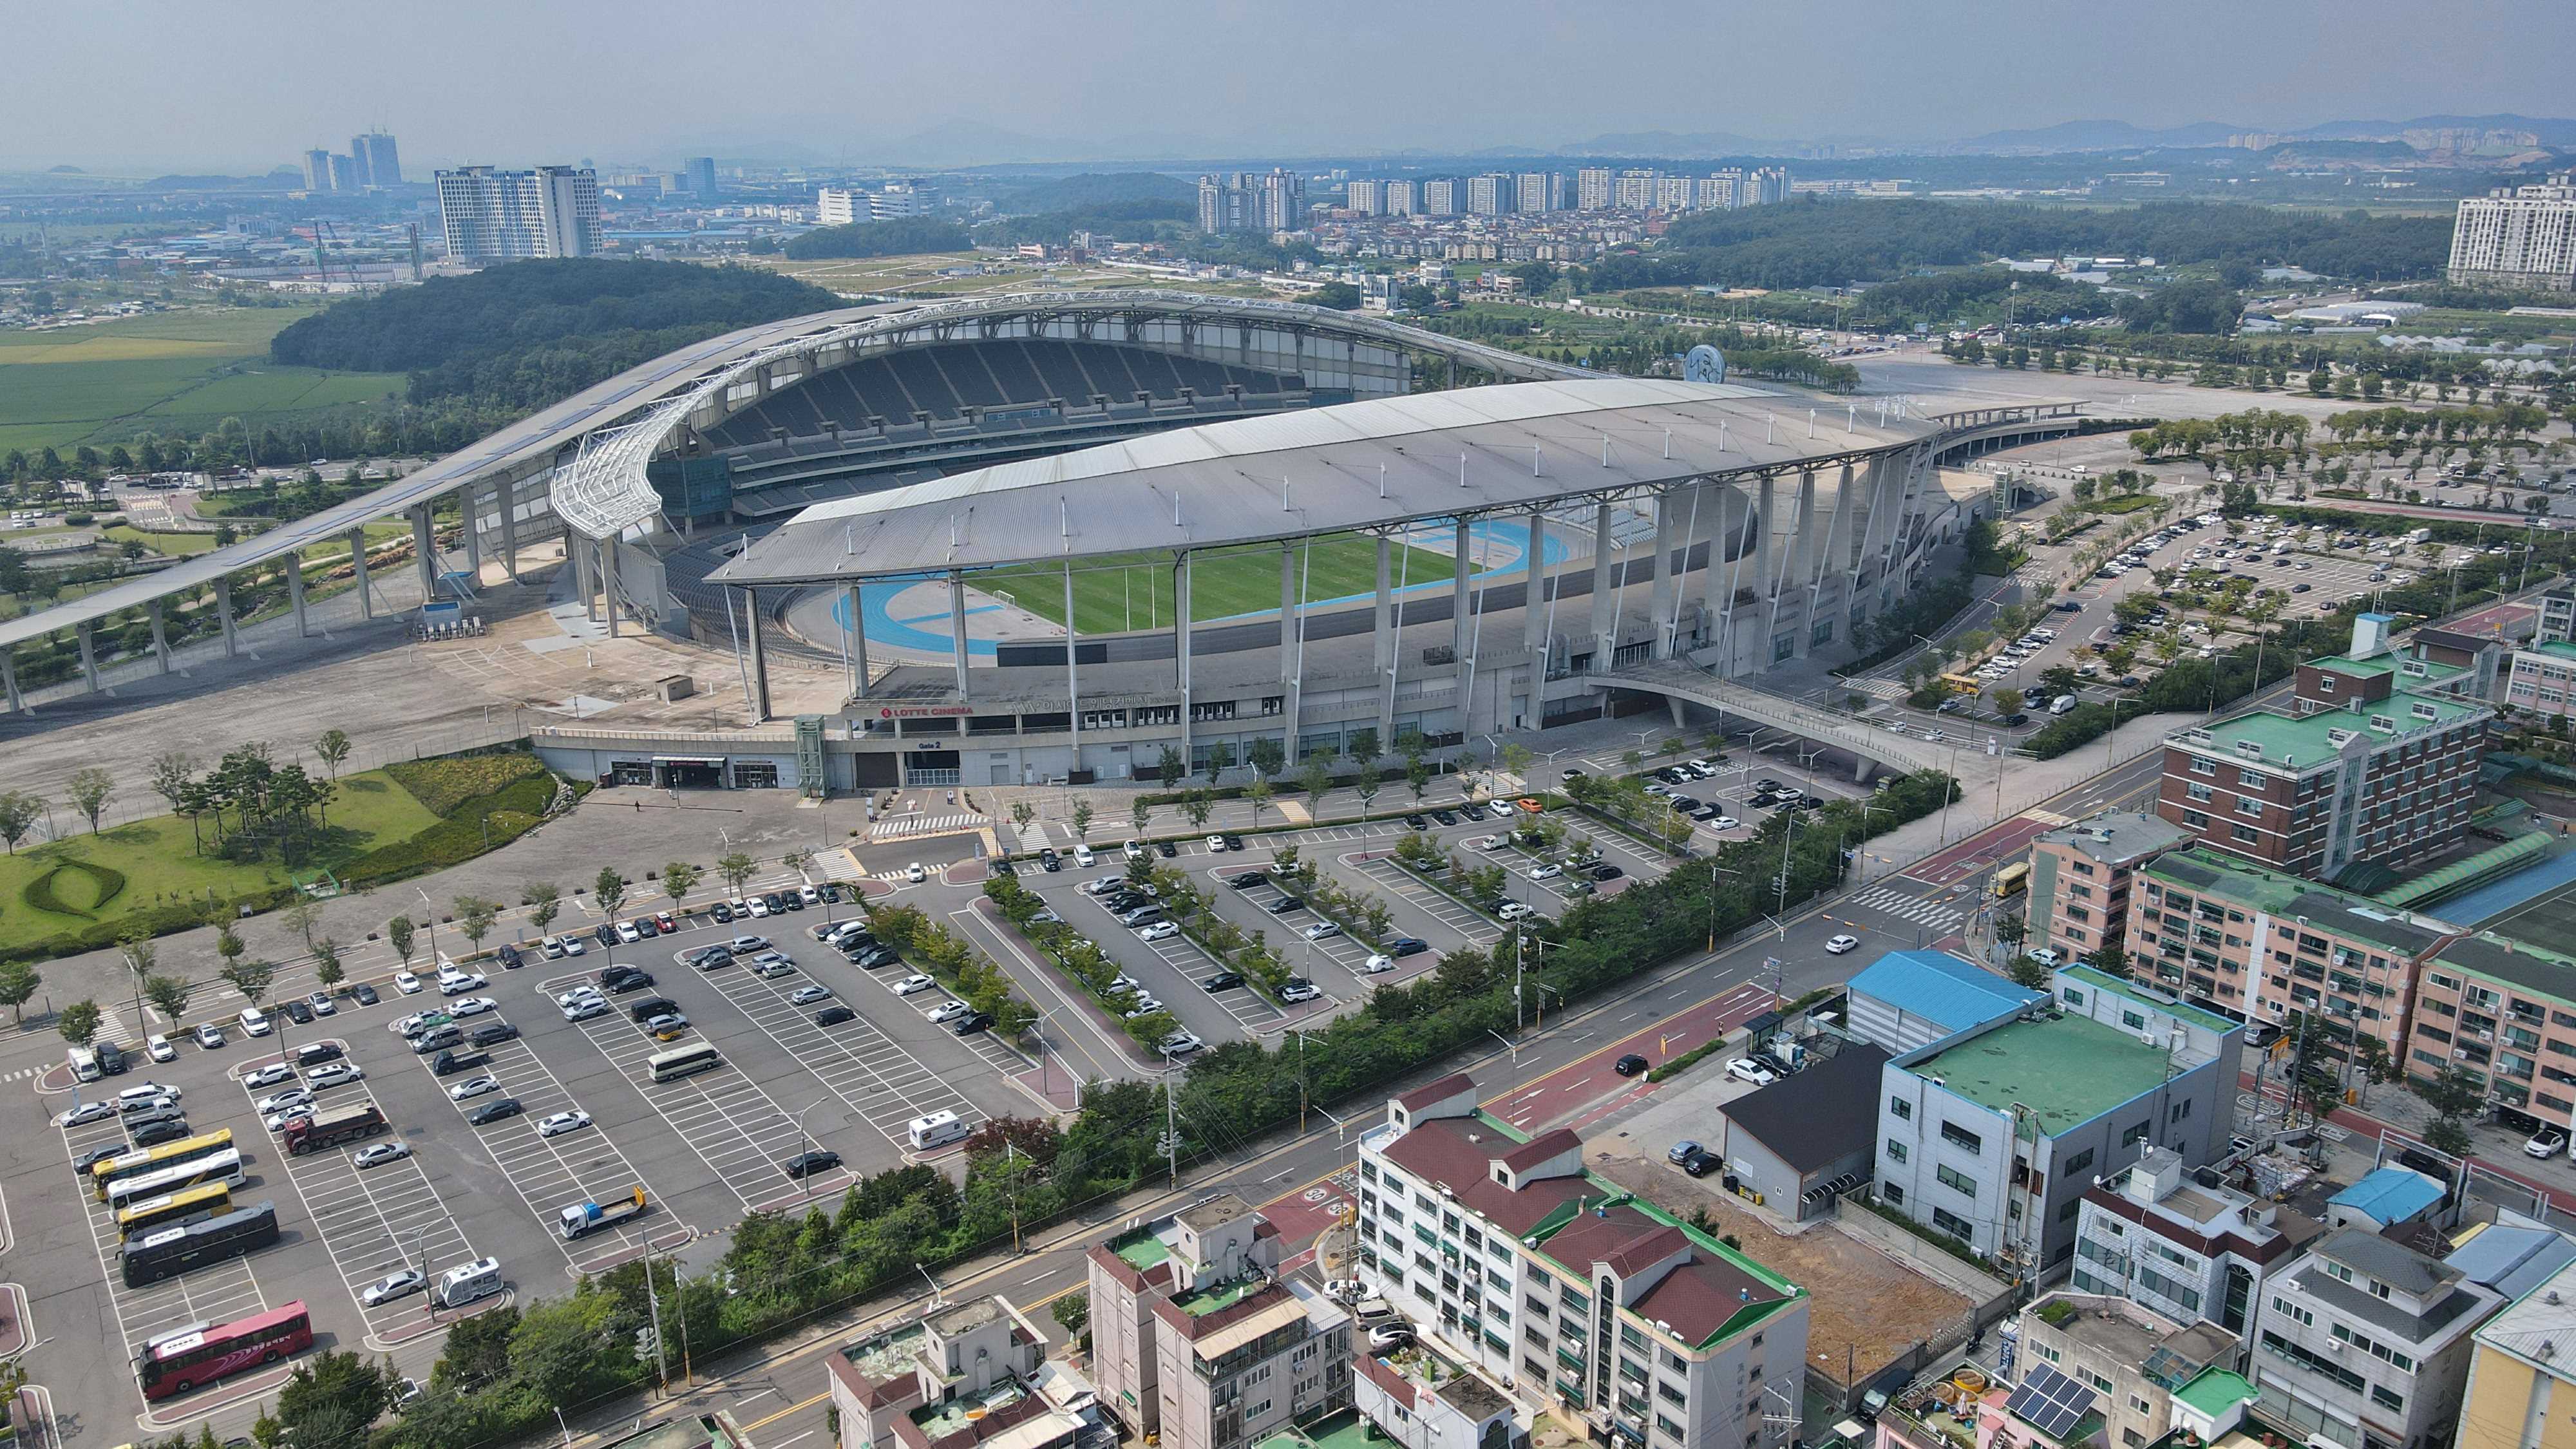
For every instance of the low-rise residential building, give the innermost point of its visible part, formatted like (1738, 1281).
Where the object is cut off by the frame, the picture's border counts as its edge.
(2543, 678)
(1992, 1136)
(2183, 1244)
(2373, 671)
(963, 1377)
(2257, 944)
(1910, 999)
(1573, 1294)
(1423, 1401)
(2522, 1374)
(2132, 1358)
(1197, 1340)
(2079, 879)
(1801, 1143)
(2503, 1011)
(2365, 1342)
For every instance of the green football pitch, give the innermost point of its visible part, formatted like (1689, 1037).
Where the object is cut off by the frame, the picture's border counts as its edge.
(1116, 595)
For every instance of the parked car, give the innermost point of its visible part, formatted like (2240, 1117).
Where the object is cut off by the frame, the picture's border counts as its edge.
(1745, 1069)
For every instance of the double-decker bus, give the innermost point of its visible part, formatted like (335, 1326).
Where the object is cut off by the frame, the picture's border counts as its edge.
(185, 1205)
(202, 1353)
(169, 1252)
(224, 1167)
(152, 1159)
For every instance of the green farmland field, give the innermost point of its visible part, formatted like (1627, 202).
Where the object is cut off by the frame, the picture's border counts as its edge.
(171, 373)
(1114, 596)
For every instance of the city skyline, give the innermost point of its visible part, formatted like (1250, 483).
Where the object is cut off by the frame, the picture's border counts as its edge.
(1885, 82)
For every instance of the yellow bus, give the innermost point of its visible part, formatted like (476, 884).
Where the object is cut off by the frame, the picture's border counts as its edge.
(103, 1175)
(1963, 684)
(2013, 879)
(207, 1200)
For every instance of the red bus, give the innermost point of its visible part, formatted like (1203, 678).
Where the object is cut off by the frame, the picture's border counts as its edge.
(198, 1355)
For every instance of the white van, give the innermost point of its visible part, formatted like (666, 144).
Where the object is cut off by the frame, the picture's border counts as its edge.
(467, 1283)
(84, 1064)
(2063, 704)
(936, 1129)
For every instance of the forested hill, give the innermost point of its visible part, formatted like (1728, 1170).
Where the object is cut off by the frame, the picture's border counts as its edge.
(514, 338)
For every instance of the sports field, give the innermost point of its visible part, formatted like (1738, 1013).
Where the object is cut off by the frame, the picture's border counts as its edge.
(1115, 595)
(173, 373)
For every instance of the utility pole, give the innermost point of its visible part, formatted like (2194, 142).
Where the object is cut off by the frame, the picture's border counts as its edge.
(1171, 1133)
(653, 1304)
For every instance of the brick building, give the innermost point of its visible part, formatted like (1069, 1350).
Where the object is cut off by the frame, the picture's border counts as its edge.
(2503, 1011)
(2079, 879)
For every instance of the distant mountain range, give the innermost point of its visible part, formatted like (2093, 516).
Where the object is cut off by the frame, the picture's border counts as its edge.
(2121, 136)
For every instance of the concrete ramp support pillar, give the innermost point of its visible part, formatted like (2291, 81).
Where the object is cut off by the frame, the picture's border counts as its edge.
(859, 642)
(957, 627)
(759, 656)
(1534, 593)
(358, 573)
(424, 547)
(608, 581)
(9, 681)
(224, 616)
(1389, 647)
(1605, 637)
(295, 592)
(1291, 620)
(1458, 641)
(1659, 598)
(506, 497)
(1072, 671)
(1718, 588)
(160, 636)
(1181, 649)
(471, 507)
(1807, 539)
(1763, 583)
(86, 632)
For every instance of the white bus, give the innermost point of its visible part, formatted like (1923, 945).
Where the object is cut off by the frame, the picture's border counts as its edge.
(684, 1061)
(935, 1129)
(224, 1167)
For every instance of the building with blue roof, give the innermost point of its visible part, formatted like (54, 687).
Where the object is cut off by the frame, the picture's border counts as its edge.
(1910, 999)
(2388, 1196)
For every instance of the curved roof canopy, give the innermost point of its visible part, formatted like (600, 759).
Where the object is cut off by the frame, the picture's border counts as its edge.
(1358, 465)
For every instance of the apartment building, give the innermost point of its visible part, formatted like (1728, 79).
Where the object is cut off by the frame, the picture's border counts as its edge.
(2080, 875)
(2504, 1011)
(1992, 1135)
(1536, 193)
(493, 215)
(2373, 673)
(963, 1377)
(1365, 197)
(1197, 1340)
(1574, 1294)
(1399, 198)
(2522, 1378)
(2365, 1342)
(839, 206)
(2542, 678)
(2257, 944)
(2521, 236)
(1592, 188)
(2183, 1243)
(1423, 1401)
(1489, 194)
(1441, 198)
(2133, 1359)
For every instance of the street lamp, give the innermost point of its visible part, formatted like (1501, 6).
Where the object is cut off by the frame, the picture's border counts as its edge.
(798, 1117)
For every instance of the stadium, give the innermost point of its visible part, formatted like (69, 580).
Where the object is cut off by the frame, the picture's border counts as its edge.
(1036, 537)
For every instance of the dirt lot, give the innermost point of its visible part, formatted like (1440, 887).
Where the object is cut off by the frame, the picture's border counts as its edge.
(1867, 1309)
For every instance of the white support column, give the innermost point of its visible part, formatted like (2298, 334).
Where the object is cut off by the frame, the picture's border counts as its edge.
(1534, 600)
(85, 633)
(358, 573)
(1659, 595)
(507, 497)
(1725, 574)
(295, 592)
(759, 655)
(608, 581)
(1181, 648)
(424, 548)
(1072, 673)
(957, 627)
(1458, 598)
(1605, 638)
(9, 680)
(577, 548)
(1291, 619)
(859, 643)
(472, 512)
(1389, 644)
(1762, 537)
(224, 615)
(1807, 540)
(160, 635)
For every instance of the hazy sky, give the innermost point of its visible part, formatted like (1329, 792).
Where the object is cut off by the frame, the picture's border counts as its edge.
(241, 85)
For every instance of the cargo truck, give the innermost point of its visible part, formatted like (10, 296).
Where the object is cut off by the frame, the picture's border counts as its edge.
(583, 1219)
(327, 1130)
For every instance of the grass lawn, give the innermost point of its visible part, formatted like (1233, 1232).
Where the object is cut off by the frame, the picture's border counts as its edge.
(161, 868)
(1115, 596)
(170, 372)
(173, 545)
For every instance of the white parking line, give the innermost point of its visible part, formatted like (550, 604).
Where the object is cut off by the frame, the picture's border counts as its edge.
(214, 1294)
(883, 1083)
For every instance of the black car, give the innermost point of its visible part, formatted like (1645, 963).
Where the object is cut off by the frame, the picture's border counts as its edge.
(153, 1134)
(1445, 817)
(1603, 870)
(1002, 866)
(1681, 802)
(364, 995)
(971, 1023)
(1049, 859)
(1632, 1065)
(806, 1164)
(831, 892)
(722, 911)
(620, 985)
(1222, 981)
(795, 900)
(834, 1016)
(511, 960)
(651, 1007)
(297, 1012)
(1417, 822)
(493, 1034)
(1764, 799)
(1234, 842)
(1285, 904)
(874, 957)
(1700, 1164)
(449, 1063)
(1166, 849)
(777, 903)
(607, 935)
(1246, 880)
(1407, 946)
(647, 927)
(96, 1155)
(491, 1112)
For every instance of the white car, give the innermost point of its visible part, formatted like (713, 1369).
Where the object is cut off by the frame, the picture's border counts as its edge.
(805, 995)
(148, 1092)
(949, 1011)
(2547, 1142)
(1499, 809)
(322, 1004)
(562, 1122)
(85, 1113)
(745, 945)
(473, 1006)
(915, 873)
(585, 1010)
(416, 1023)
(1133, 850)
(209, 1036)
(1321, 930)
(1490, 842)
(1745, 1069)
(627, 935)
(255, 1021)
(268, 1076)
(473, 1087)
(574, 946)
(459, 982)
(1292, 993)
(406, 983)
(2046, 956)
(1083, 857)
(1546, 870)
(1516, 910)
(1215, 844)
(1722, 822)
(280, 1101)
(276, 1122)
(1104, 885)
(1839, 944)
(159, 1048)
(1180, 1044)
(393, 1285)
(759, 907)
(332, 1074)
(578, 995)
(380, 1154)
(913, 985)
(1158, 931)
(1378, 962)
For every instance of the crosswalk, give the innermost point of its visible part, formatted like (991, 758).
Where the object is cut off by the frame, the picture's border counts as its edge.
(1889, 901)
(909, 827)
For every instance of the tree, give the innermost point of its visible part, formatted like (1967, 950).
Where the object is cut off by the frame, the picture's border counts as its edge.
(1024, 814)
(19, 811)
(1082, 813)
(678, 879)
(2445, 1135)
(1220, 759)
(229, 945)
(90, 790)
(2027, 971)
(332, 749)
(1173, 767)
(399, 931)
(796, 859)
(610, 890)
(1417, 776)
(332, 1399)
(1265, 756)
(2007, 702)
(172, 773)
(476, 915)
(1141, 815)
(544, 900)
(1315, 779)
(301, 913)
(78, 1022)
(1198, 806)
(251, 978)
(1370, 782)
(326, 963)
(19, 983)
(736, 868)
(1072, 1312)
(1258, 794)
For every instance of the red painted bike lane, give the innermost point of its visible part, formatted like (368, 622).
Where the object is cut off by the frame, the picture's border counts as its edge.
(1588, 1089)
(2002, 840)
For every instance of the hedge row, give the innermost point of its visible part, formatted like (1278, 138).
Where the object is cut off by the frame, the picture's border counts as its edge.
(509, 813)
(445, 784)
